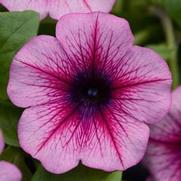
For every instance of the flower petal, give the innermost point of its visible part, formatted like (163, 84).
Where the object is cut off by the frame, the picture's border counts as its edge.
(22, 5)
(142, 85)
(163, 155)
(58, 8)
(58, 131)
(94, 38)
(121, 142)
(46, 133)
(39, 73)
(169, 130)
(163, 161)
(1, 141)
(9, 172)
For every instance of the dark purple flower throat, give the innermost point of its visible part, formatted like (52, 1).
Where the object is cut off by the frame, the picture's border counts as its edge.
(91, 89)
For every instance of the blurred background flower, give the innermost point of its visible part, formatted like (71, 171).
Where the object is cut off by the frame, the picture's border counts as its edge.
(1, 141)
(58, 8)
(163, 157)
(8, 171)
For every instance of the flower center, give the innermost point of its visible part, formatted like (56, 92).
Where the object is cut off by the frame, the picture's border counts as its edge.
(91, 89)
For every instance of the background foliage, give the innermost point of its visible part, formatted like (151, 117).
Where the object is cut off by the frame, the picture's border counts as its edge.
(155, 24)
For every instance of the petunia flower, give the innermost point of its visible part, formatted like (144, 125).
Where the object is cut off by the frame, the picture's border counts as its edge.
(58, 8)
(88, 94)
(8, 171)
(164, 151)
(1, 141)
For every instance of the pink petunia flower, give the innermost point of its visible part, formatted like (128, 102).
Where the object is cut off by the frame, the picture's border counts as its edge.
(1, 141)
(164, 152)
(9, 172)
(58, 8)
(88, 94)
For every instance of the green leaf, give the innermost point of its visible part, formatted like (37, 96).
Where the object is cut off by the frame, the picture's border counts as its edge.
(16, 156)
(47, 27)
(173, 7)
(163, 50)
(133, 10)
(9, 116)
(15, 30)
(117, 7)
(115, 176)
(80, 173)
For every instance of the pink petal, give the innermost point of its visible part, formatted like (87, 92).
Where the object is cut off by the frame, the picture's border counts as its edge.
(121, 143)
(1, 141)
(9, 172)
(37, 76)
(43, 132)
(99, 42)
(142, 85)
(94, 37)
(103, 142)
(163, 157)
(163, 160)
(22, 5)
(169, 129)
(58, 8)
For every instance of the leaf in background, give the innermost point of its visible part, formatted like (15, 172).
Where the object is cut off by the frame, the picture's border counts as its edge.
(80, 173)
(115, 176)
(117, 7)
(163, 50)
(9, 116)
(15, 30)
(173, 7)
(16, 156)
(47, 27)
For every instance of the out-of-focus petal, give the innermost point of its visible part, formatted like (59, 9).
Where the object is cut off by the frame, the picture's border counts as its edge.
(58, 8)
(163, 157)
(39, 6)
(169, 129)
(9, 172)
(1, 141)
(163, 160)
